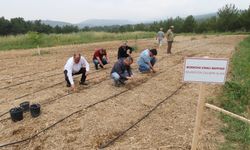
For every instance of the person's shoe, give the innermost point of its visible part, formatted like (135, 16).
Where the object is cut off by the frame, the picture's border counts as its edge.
(122, 82)
(117, 83)
(101, 66)
(83, 83)
(68, 85)
(96, 67)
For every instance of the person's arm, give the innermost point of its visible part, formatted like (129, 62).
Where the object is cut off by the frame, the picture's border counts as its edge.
(107, 57)
(130, 50)
(119, 52)
(69, 67)
(167, 34)
(118, 68)
(151, 66)
(100, 61)
(130, 72)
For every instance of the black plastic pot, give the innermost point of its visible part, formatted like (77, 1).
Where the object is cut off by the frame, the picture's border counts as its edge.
(35, 110)
(16, 114)
(25, 106)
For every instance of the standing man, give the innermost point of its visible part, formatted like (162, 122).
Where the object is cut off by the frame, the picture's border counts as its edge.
(147, 60)
(122, 71)
(160, 36)
(74, 66)
(124, 51)
(170, 38)
(100, 58)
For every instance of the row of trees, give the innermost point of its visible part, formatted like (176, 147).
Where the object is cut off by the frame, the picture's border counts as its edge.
(228, 18)
(16, 26)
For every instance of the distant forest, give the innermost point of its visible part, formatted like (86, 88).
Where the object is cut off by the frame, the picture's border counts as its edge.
(228, 19)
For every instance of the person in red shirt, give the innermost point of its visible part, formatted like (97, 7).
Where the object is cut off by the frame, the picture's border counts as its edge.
(100, 58)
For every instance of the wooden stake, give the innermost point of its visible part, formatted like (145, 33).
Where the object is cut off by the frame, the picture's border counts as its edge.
(38, 49)
(199, 113)
(228, 113)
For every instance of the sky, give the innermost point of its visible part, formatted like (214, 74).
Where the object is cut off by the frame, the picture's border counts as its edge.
(75, 11)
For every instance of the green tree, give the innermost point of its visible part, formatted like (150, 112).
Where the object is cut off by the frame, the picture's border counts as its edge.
(5, 26)
(178, 24)
(228, 18)
(19, 26)
(245, 19)
(189, 24)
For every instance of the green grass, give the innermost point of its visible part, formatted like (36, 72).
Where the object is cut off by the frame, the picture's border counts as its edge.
(26, 41)
(236, 98)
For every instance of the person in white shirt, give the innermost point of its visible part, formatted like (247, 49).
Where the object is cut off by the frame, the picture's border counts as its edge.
(160, 37)
(74, 66)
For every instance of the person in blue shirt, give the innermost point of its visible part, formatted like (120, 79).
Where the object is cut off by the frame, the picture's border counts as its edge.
(147, 60)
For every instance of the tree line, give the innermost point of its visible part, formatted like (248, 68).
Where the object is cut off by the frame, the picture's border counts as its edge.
(228, 19)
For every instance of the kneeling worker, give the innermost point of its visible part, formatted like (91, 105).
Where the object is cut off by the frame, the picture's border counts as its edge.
(147, 60)
(122, 71)
(100, 58)
(74, 66)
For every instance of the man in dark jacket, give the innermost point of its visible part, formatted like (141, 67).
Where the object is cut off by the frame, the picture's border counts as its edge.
(122, 71)
(124, 51)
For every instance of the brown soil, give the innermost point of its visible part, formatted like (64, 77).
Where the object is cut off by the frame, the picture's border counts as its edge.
(26, 76)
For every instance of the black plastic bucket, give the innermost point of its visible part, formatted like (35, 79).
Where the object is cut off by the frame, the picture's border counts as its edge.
(16, 114)
(25, 106)
(35, 110)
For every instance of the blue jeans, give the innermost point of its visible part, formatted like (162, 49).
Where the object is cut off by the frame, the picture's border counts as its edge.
(117, 78)
(145, 67)
(96, 62)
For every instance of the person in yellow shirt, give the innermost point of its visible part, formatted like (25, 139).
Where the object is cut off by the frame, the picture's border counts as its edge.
(170, 38)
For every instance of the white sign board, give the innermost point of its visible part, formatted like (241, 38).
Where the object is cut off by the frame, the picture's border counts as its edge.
(205, 70)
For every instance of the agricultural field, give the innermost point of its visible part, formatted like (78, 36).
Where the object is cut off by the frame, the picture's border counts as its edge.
(154, 111)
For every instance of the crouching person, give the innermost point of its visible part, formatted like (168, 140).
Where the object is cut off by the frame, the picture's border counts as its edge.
(74, 66)
(122, 71)
(100, 58)
(147, 60)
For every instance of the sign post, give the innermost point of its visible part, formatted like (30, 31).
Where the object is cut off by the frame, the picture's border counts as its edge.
(199, 114)
(203, 70)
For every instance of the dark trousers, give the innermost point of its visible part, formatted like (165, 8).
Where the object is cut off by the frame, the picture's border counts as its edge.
(169, 47)
(82, 71)
(96, 62)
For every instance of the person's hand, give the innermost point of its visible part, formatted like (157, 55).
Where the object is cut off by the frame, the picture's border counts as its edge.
(102, 66)
(73, 88)
(153, 70)
(87, 73)
(130, 78)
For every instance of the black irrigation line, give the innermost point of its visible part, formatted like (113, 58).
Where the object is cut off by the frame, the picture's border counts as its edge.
(28, 94)
(90, 73)
(31, 80)
(92, 105)
(48, 101)
(112, 141)
(48, 88)
(26, 75)
(80, 110)
(4, 113)
(24, 82)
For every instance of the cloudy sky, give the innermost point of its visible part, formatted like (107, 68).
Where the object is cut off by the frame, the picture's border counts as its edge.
(75, 11)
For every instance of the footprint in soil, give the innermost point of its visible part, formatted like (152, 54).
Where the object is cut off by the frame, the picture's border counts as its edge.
(18, 131)
(71, 139)
(102, 139)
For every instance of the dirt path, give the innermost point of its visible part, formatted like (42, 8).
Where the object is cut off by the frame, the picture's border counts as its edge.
(170, 126)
